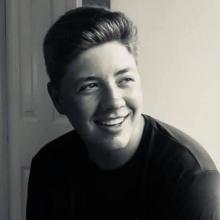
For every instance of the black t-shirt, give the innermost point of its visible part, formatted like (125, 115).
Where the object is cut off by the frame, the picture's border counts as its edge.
(170, 176)
(113, 194)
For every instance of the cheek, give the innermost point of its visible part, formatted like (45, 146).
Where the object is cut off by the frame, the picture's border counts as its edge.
(80, 108)
(135, 97)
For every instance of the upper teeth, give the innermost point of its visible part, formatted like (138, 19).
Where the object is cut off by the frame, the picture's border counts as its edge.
(111, 121)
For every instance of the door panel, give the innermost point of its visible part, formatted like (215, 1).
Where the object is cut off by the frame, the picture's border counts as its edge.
(32, 120)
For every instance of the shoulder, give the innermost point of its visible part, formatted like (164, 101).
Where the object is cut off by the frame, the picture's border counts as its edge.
(182, 170)
(171, 144)
(58, 156)
(60, 146)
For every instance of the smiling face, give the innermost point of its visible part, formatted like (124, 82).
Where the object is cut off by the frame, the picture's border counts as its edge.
(101, 96)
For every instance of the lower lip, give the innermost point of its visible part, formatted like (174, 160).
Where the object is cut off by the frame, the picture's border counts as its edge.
(114, 128)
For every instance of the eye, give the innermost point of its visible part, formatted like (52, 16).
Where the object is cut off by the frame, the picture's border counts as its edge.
(88, 87)
(126, 81)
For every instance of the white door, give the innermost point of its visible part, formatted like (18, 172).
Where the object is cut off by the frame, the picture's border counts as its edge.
(32, 120)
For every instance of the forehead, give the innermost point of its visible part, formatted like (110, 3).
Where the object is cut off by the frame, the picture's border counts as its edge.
(102, 61)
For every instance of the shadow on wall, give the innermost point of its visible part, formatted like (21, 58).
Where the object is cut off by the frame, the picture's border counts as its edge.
(101, 3)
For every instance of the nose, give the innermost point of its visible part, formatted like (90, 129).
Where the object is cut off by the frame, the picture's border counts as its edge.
(112, 98)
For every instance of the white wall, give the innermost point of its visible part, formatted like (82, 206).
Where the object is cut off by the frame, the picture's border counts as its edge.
(180, 64)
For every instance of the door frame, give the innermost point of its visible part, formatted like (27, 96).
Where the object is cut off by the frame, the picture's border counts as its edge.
(4, 151)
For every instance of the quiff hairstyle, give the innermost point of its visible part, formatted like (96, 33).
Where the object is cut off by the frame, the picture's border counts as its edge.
(81, 29)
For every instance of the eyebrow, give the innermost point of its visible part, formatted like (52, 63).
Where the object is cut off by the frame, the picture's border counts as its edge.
(88, 78)
(122, 71)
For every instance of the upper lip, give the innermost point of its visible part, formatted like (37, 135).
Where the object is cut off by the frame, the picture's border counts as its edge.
(111, 117)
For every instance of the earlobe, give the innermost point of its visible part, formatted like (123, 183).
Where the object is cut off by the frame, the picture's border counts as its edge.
(54, 95)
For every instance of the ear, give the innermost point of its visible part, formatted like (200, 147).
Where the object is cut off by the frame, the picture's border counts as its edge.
(54, 95)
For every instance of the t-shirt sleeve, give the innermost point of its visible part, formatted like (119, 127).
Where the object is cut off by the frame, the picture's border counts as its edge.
(37, 194)
(202, 199)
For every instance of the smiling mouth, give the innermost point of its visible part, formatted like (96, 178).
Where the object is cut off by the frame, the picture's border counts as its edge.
(112, 122)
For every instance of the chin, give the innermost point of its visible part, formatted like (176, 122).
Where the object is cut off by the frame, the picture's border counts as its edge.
(116, 144)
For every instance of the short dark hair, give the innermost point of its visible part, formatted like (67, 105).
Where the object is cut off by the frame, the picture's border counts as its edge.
(83, 28)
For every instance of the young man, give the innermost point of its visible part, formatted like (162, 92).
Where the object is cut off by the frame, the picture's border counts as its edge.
(117, 163)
